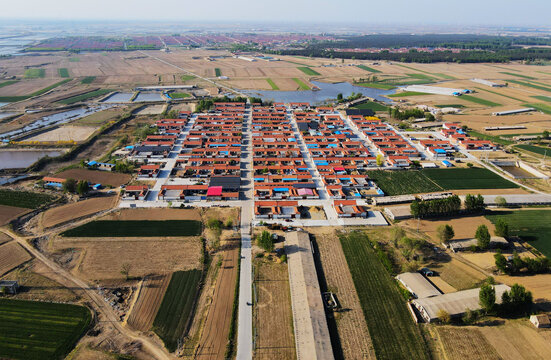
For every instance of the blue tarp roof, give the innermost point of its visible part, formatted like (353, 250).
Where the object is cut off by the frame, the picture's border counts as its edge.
(311, 146)
(129, 147)
(291, 139)
(97, 186)
(321, 162)
(54, 184)
(332, 145)
(440, 151)
(289, 179)
(258, 179)
(302, 169)
(224, 152)
(281, 189)
(381, 192)
(92, 163)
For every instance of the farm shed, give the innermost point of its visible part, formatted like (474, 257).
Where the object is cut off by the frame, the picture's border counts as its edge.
(398, 212)
(466, 244)
(513, 112)
(418, 285)
(540, 321)
(399, 199)
(9, 286)
(519, 199)
(454, 304)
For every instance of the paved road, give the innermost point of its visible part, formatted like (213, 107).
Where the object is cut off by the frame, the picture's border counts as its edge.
(95, 299)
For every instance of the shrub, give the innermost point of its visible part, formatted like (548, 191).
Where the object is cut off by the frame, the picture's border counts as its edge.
(444, 316)
(265, 241)
(214, 223)
(502, 228)
(445, 233)
(487, 297)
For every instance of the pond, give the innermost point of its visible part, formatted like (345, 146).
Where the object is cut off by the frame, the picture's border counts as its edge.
(3, 104)
(6, 114)
(19, 159)
(59, 118)
(143, 96)
(119, 98)
(327, 92)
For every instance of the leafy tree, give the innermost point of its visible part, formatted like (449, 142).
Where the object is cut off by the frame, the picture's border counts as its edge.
(228, 223)
(545, 134)
(380, 160)
(487, 297)
(474, 203)
(483, 236)
(339, 96)
(500, 201)
(444, 316)
(445, 233)
(83, 187)
(517, 300)
(502, 228)
(213, 223)
(124, 167)
(501, 262)
(397, 234)
(70, 185)
(470, 316)
(265, 241)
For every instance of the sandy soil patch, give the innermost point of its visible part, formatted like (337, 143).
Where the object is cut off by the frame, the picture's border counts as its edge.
(154, 214)
(458, 275)
(26, 87)
(442, 285)
(464, 227)
(95, 176)
(11, 256)
(152, 110)
(491, 191)
(65, 133)
(222, 214)
(537, 284)
(149, 300)
(8, 213)
(100, 117)
(65, 213)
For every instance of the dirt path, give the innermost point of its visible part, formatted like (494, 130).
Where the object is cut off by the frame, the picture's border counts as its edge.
(214, 337)
(95, 300)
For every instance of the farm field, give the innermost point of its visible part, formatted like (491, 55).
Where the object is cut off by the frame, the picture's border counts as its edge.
(95, 176)
(136, 228)
(88, 80)
(406, 94)
(63, 72)
(149, 300)
(89, 259)
(308, 71)
(40, 330)
(154, 214)
(65, 133)
(531, 225)
(352, 331)
(34, 73)
(8, 213)
(480, 101)
(85, 96)
(273, 315)
(465, 343)
(301, 84)
(467, 178)
(100, 117)
(393, 332)
(62, 214)
(372, 106)
(535, 149)
(367, 68)
(403, 182)
(24, 199)
(272, 84)
(11, 256)
(176, 308)
(464, 226)
(214, 335)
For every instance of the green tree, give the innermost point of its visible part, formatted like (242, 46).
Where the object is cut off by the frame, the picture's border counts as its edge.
(265, 241)
(83, 187)
(483, 236)
(339, 96)
(545, 134)
(487, 297)
(501, 262)
(517, 300)
(213, 223)
(70, 185)
(444, 316)
(500, 201)
(502, 228)
(380, 160)
(445, 233)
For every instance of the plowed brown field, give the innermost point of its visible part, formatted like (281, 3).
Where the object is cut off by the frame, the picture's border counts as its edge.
(65, 213)
(11, 256)
(8, 213)
(95, 176)
(148, 302)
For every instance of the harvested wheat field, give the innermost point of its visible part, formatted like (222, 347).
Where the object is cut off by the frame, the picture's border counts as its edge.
(465, 343)
(65, 133)
(273, 315)
(95, 176)
(464, 227)
(351, 326)
(459, 275)
(4, 238)
(517, 340)
(65, 213)
(214, 334)
(11, 256)
(538, 284)
(8, 213)
(149, 300)
(26, 87)
(103, 259)
(154, 214)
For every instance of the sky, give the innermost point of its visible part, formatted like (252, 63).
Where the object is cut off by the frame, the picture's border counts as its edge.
(528, 13)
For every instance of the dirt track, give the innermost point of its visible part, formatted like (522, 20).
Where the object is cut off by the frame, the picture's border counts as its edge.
(214, 337)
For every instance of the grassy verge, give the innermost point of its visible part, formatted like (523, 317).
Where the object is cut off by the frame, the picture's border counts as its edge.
(217, 72)
(479, 101)
(136, 228)
(376, 85)
(308, 71)
(492, 138)
(530, 225)
(187, 77)
(34, 73)
(63, 72)
(527, 84)
(9, 82)
(85, 96)
(367, 68)
(539, 97)
(301, 84)
(518, 75)
(177, 95)
(372, 106)
(392, 330)
(176, 308)
(24, 199)
(407, 93)
(88, 80)
(544, 108)
(40, 330)
(272, 84)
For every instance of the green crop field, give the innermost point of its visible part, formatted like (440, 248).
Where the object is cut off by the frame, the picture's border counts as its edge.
(308, 71)
(88, 80)
(392, 330)
(40, 330)
(496, 93)
(445, 76)
(544, 108)
(479, 100)
(407, 93)
(272, 84)
(9, 82)
(467, 178)
(34, 73)
(175, 310)
(372, 106)
(177, 95)
(367, 68)
(376, 85)
(524, 83)
(421, 77)
(402, 182)
(187, 77)
(24, 199)
(535, 149)
(533, 226)
(492, 138)
(86, 96)
(301, 84)
(74, 59)
(136, 228)
(539, 97)
(217, 72)
(63, 72)
(518, 75)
